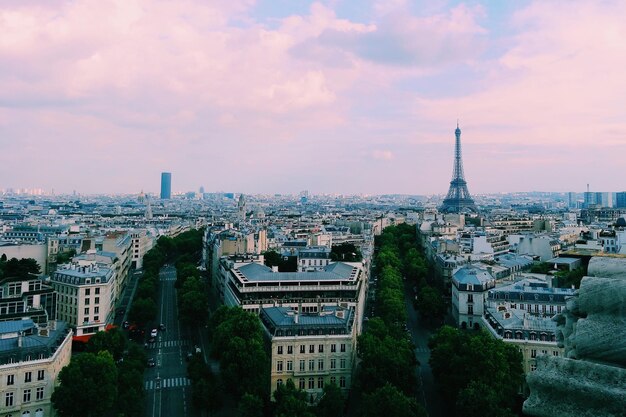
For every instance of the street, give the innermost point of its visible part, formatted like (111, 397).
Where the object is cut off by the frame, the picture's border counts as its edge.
(167, 388)
(420, 334)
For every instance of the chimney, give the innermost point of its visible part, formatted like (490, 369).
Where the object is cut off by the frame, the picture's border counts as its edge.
(275, 268)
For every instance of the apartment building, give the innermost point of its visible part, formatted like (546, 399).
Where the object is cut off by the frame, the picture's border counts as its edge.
(86, 296)
(31, 358)
(529, 295)
(29, 297)
(311, 349)
(313, 258)
(253, 286)
(141, 243)
(469, 292)
(532, 335)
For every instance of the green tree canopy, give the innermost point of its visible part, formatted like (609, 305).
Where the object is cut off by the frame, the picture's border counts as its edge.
(88, 386)
(388, 401)
(332, 403)
(112, 340)
(291, 402)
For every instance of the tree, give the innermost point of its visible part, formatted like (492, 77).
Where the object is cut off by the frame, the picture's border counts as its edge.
(21, 267)
(143, 310)
(332, 403)
(250, 406)
(88, 386)
(390, 402)
(430, 303)
(112, 340)
(291, 402)
(461, 360)
(480, 400)
(130, 399)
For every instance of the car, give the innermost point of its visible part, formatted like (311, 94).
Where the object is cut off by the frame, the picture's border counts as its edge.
(126, 325)
(154, 333)
(151, 362)
(162, 327)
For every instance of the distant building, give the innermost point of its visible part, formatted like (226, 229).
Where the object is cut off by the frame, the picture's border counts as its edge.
(31, 358)
(469, 292)
(620, 200)
(313, 258)
(312, 349)
(166, 185)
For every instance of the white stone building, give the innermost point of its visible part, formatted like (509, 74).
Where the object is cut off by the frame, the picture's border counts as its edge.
(469, 293)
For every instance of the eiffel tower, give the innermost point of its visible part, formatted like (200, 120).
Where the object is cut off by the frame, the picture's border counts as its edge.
(458, 199)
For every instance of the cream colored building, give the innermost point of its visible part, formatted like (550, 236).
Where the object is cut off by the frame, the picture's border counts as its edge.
(532, 335)
(311, 349)
(142, 242)
(30, 361)
(86, 296)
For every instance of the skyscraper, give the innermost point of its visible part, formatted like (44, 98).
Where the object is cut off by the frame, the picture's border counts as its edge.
(458, 199)
(166, 185)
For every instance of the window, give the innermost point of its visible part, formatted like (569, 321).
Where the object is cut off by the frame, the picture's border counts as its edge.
(333, 348)
(39, 393)
(301, 365)
(311, 383)
(40, 375)
(533, 367)
(311, 348)
(320, 382)
(320, 364)
(279, 366)
(86, 301)
(96, 310)
(333, 363)
(470, 309)
(470, 298)
(279, 350)
(8, 399)
(302, 349)
(279, 382)
(343, 347)
(289, 350)
(342, 382)
(96, 318)
(28, 377)
(301, 383)
(290, 366)
(26, 397)
(97, 300)
(87, 291)
(10, 379)
(320, 348)
(311, 365)
(342, 363)
(333, 380)
(97, 291)
(86, 310)
(555, 353)
(533, 353)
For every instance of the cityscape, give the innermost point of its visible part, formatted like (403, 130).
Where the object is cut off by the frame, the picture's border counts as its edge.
(273, 208)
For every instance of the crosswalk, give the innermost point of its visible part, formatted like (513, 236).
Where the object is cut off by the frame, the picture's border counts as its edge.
(167, 383)
(168, 343)
(168, 277)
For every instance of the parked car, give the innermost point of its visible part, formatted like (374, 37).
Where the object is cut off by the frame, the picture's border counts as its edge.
(151, 362)
(154, 333)
(162, 327)
(125, 325)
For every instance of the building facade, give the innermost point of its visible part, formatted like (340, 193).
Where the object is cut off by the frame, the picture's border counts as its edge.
(469, 292)
(166, 185)
(30, 361)
(313, 349)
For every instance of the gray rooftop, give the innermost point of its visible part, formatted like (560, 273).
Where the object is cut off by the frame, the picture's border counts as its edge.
(472, 275)
(332, 272)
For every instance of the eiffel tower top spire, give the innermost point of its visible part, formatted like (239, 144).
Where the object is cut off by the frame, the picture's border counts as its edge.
(458, 198)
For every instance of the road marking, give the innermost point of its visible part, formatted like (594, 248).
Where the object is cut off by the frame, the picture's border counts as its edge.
(166, 383)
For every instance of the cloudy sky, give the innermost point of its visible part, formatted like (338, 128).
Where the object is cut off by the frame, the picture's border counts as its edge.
(345, 96)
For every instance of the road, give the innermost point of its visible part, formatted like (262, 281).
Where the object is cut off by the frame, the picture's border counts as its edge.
(167, 388)
(420, 334)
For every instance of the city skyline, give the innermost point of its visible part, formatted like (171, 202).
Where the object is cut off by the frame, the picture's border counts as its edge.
(334, 97)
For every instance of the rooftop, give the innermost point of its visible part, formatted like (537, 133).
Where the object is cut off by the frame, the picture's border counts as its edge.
(332, 272)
